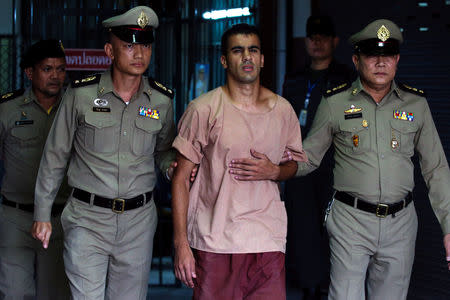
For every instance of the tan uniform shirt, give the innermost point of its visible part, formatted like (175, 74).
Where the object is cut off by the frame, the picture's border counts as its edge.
(24, 126)
(374, 144)
(111, 146)
(226, 215)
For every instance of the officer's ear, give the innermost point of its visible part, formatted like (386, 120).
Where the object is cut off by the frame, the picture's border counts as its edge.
(109, 50)
(29, 72)
(355, 59)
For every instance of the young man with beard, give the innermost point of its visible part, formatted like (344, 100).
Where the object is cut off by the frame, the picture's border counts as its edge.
(230, 235)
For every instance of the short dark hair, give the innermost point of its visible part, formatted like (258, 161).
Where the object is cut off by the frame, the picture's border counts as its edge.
(242, 28)
(40, 51)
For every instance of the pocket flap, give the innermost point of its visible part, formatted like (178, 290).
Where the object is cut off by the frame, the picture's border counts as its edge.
(99, 121)
(148, 124)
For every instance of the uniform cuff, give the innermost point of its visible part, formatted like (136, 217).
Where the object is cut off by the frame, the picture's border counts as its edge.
(42, 214)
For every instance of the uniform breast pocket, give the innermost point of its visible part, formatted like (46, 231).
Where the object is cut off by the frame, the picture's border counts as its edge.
(26, 136)
(353, 136)
(101, 133)
(402, 136)
(144, 137)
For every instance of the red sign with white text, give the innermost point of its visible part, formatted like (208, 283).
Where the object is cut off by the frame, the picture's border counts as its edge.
(86, 60)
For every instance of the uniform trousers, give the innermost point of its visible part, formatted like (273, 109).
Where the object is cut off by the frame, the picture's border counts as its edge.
(108, 255)
(371, 257)
(239, 276)
(27, 270)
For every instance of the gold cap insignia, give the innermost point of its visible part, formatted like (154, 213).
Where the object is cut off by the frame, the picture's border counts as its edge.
(383, 33)
(142, 20)
(61, 45)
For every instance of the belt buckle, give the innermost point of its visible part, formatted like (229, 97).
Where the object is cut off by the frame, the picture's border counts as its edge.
(377, 211)
(120, 200)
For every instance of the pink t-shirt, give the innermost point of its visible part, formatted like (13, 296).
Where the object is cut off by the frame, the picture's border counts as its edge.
(226, 215)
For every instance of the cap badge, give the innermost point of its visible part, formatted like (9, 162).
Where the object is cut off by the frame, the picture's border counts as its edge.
(142, 20)
(383, 33)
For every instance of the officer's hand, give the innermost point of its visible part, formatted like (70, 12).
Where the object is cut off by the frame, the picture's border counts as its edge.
(447, 248)
(287, 156)
(42, 231)
(173, 166)
(185, 265)
(257, 168)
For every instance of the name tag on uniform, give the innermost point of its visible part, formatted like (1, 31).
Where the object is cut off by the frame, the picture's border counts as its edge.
(353, 116)
(101, 109)
(24, 122)
(147, 112)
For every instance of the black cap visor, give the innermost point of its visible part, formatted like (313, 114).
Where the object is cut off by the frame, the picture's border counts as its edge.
(134, 35)
(376, 47)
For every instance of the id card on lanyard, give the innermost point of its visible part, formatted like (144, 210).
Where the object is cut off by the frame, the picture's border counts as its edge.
(304, 112)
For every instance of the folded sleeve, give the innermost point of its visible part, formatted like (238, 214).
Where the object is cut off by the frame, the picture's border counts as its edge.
(193, 131)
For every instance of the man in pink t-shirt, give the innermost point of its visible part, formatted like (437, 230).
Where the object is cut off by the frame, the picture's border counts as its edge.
(230, 233)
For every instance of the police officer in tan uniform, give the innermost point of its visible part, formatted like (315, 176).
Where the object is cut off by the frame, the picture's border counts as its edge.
(26, 270)
(376, 124)
(110, 128)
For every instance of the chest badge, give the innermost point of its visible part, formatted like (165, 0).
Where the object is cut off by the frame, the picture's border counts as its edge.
(148, 112)
(355, 139)
(100, 102)
(353, 109)
(365, 124)
(403, 115)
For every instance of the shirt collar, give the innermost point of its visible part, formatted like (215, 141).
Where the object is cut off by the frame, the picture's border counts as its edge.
(106, 85)
(357, 88)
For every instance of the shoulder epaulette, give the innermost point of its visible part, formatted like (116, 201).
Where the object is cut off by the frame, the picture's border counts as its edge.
(86, 81)
(11, 95)
(411, 89)
(160, 87)
(337, 89)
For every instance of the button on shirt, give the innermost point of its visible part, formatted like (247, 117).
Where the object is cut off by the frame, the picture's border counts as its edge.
(374, 144)
(112, 147)
(24, 125)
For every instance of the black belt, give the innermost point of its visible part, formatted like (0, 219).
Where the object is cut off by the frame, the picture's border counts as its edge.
(118, 205)
(380, 210)
(56, 208)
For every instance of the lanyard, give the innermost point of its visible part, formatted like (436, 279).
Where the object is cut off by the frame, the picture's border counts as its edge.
(308, 93)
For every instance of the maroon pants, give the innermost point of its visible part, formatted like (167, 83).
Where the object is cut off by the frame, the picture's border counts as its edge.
(249, 276)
